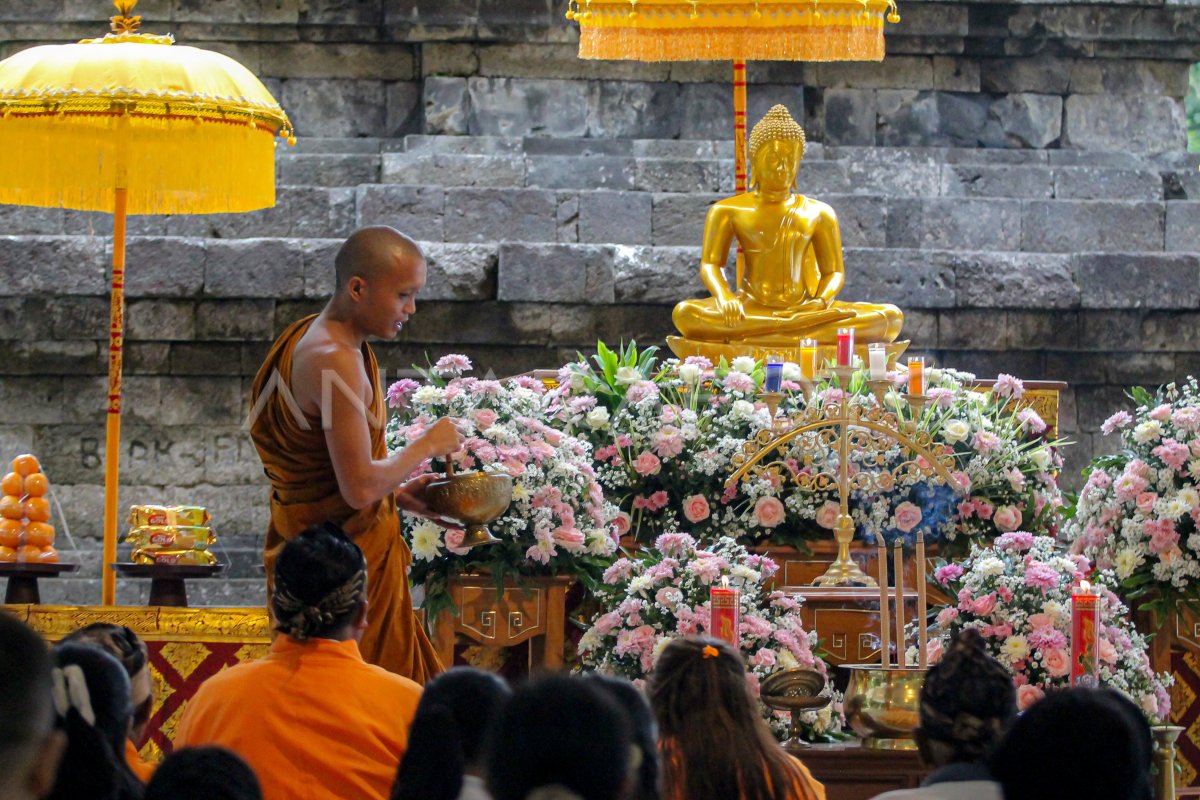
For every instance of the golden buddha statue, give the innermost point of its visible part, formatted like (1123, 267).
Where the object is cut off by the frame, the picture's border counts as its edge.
(792, 248)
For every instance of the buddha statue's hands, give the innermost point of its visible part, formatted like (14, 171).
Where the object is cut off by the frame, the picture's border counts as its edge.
(732, 311)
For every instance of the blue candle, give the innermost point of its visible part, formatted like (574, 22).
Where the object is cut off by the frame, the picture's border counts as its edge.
(774, 379)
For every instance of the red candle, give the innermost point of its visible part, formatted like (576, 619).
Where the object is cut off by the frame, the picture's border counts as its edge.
(845, 346)
(724, 603)
(1085, 635)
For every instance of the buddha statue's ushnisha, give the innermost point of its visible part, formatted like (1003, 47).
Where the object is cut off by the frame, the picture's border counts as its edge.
(792, 248)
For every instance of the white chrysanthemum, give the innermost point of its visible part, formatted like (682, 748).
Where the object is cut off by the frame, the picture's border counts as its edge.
(741, 409)
(427, 395)
(597, 418)
(791, 371)
(640, 584)
(426, 540)
(955, 430)
(1190, 497)
(661, 645)
(1058, 612)
(1176, 508)
(1015, 648)
(600, 543)
(743, 364)
(1040, 459)
(689, 373)
(990, 566)
(1147, 432)
(1126, 562)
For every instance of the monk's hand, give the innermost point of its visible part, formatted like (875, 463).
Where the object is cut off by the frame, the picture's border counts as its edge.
(441, 439)
(732, 312)
(410, 496)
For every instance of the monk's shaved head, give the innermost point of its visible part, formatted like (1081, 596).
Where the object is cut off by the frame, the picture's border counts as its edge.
(26, 708)
(374, 251)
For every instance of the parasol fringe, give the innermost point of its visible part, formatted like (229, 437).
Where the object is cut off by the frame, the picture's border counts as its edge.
(857, 41)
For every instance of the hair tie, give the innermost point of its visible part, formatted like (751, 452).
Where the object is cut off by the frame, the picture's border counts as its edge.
(70, 690)
(710, 652)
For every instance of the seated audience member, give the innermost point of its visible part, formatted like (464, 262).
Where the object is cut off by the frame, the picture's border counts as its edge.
(1091, 743)
(645, 732)
(967, 702)
(30, 747)
(312, 719)
(125, 646)
(203, 773)
(559, 738)
(713, 738)
(92, 701)
(445, 753)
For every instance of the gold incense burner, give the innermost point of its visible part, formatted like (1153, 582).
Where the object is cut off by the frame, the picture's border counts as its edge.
(883, 705)
(794, 690)
(472, 498)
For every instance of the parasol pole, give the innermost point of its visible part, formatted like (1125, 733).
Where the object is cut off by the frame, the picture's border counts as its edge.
(739, 148)
(116, 342)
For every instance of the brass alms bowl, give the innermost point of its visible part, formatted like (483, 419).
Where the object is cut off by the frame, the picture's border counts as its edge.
(795, 690)
(472, 498)
(883, 705)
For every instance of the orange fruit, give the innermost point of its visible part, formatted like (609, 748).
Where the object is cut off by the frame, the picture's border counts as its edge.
(13, 484)
(7, 554)
(36, 485)
(10, 532)
(37, 509)
(39, 534)
(25, 465)
(11, 507)
(28, 552)
(48, 556)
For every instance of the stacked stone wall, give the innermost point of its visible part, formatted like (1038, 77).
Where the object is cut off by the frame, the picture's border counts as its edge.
(1013, 176)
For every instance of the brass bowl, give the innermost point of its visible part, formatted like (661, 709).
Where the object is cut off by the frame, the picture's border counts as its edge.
(472, 498)
(796, 690)
(883, 705)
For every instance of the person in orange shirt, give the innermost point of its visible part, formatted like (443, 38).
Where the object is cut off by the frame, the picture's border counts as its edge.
(317, 420)
(312, 719)
(128, 648)
(713, 739)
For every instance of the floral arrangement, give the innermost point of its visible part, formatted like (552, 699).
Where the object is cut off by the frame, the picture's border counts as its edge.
(661, 594)
(559, 520)
(1017, 594)
(1139, 510)
(665, 437)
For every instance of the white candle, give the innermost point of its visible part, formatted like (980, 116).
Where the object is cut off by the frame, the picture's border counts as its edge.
(878, 357)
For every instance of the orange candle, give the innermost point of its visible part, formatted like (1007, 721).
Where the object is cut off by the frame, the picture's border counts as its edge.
(724, 603)
(916, 376)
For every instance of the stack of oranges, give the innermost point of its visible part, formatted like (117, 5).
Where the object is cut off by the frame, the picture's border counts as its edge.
(26, 534)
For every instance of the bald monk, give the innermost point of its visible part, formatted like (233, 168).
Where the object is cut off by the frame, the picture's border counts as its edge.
(30, 746)
(318, 420)
(312, 719)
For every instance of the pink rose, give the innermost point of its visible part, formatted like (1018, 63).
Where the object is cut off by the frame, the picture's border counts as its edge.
(933, 651)
(1161, 413)
(908, 516)
(454, 538)
(1057, 662)
(1027, 695)
(1108, 653)
(484, 418)
(769, 512)
(1145, 502)
(1041, 621)
(570, 538)
(983, 606)
(695, 508)
(946, 615)
(621, 524)
(1008, 518)
(647, 464)
(827, 514)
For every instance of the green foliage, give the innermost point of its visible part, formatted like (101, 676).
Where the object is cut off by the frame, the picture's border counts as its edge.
(1192, 106)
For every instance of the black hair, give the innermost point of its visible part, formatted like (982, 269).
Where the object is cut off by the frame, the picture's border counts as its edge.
(93, 765)
(127, 647)
(320, 583)
(559, 731)
(26, 710)
(203, 773)
(448, 733)
(645, 730)
(1076, 743)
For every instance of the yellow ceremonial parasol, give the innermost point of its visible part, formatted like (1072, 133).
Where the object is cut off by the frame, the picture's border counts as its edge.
(131, 124)
(733, 30)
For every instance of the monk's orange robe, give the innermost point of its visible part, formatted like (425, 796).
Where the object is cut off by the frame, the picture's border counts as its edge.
(304, 491)
(142, 769)
(312, 719)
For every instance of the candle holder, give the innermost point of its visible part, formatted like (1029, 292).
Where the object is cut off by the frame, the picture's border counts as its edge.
(844, 374)
(1164, 758)
(916, 402)
(879, 388)
(772, 401)
(794, 690)
(844, 571)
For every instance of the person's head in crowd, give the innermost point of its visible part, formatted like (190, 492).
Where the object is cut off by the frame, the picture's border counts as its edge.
(967, 702)
(557, 737)
(321, 586)
(645, 732)
(715, 742)
(203, 773)
(92, 703)
(1091, 743)
(30, 747)
(124, 645)
(446, 741)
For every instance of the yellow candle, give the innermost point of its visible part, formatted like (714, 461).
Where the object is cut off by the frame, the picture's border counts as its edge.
(808, 358)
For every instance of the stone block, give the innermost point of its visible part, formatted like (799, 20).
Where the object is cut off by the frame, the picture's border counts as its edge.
(71, 317)
(234, 319)
(1139, 123)
(615, 217)
(205, 358)
(460, 272)
(200, 401)
(908, 278)
(705, 111)
(424, 168)
(58, 265)
(446, 106)
(543, 60)
(1183, 226)
(1146, 369)
(319, 212)
(655, 274)
(449, 58)
(964, 328)
(15, 439)
(680, 175)
(566, 217)
(1066, 226)
(985, 180)
(490, 215)
(1041, 330)
(892, 173)
(965, 224)
(317, 256)
(850, 117)
(414, 210)
(896, 72)
(384, 61)
(1011, 280)
(324, 169)
(404, 107)
(581, 172)
(161, 267)
(1098, 183)
(861, 218)
(905, 224)
(146, 358)
(1127, 76)
(1028, 120)
(678, 219)
(30, 220)
(1042, 74)
(1106, 331)
(907, 118)
(1142, 280)
(336, 107)
(1077, 368)
(253, 268)
(952, 74)
(525, 107)
(554, 273)
(159, 320)
(57, 357)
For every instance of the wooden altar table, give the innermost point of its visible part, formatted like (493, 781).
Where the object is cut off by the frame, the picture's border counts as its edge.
(853, 772)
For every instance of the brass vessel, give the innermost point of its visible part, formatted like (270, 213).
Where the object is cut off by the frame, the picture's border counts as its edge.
(795, 690)
(472, 498)
(883, 705)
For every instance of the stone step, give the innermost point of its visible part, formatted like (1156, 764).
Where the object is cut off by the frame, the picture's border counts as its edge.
(218, 591)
